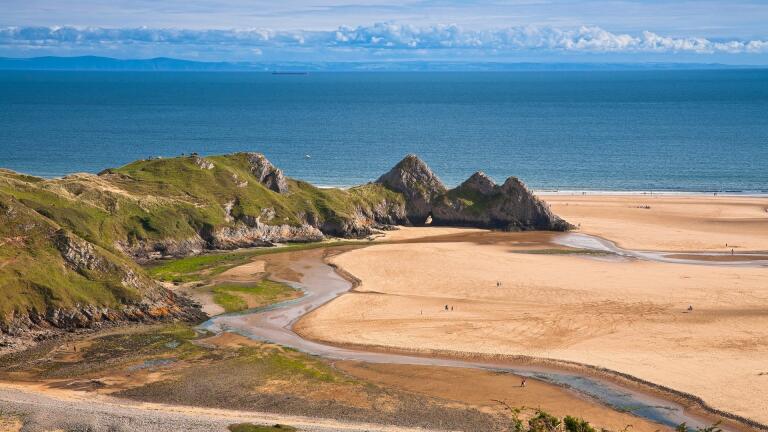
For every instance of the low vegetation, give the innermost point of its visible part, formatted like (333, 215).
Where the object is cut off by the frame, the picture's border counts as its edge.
(238, 297)
(125, 213)
(539, 420)
(201, 267)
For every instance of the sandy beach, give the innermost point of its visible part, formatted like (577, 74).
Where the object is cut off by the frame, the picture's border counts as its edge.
(670, 222)
(626, 315)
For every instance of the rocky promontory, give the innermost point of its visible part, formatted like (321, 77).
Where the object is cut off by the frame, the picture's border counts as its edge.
(70, 245)
(478, 202)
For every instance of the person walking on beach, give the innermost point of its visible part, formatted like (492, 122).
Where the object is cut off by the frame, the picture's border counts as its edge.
(522, 382)
(446, 307)
(690, 308)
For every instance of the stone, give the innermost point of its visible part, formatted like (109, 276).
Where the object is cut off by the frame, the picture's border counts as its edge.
(266, 173)
(478, 202)
(419, 185)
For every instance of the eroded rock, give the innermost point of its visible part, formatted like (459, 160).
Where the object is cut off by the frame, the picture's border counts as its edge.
(266, 173)
(418, 184)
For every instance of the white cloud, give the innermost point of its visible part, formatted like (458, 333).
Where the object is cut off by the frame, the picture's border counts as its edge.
(382, 36)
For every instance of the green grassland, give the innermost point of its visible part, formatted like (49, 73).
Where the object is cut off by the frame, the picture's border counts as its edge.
(34, 276)
(201, 267)
(238, 297)
(140, 203)
(176, 199)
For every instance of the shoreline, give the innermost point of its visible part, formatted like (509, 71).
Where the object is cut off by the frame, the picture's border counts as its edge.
(696, 403)
(617, 192)
(689, 401)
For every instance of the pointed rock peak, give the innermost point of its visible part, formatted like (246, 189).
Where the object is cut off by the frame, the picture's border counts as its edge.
(410, 172)
(479, 182)
(267, 174)
(412, 162)
(515, 184)
(420, 186)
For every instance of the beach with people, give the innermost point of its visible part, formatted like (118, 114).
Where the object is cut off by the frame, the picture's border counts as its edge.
(697, 326)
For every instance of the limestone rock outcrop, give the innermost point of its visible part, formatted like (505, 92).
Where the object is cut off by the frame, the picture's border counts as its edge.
(418, 184)
(478, 202)
(270, 176)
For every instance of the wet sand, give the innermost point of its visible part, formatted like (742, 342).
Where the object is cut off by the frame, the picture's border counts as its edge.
(483, 389)
(626, 315)
(670, 223)
(321, 284)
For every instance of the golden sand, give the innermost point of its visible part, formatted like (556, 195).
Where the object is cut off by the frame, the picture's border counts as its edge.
(629, 316)
(670, 223)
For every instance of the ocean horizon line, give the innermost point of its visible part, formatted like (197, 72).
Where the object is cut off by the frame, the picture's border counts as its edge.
(171, 64)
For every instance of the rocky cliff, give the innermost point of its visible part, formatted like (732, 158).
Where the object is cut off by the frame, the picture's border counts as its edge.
(418, 184)
(52, 280)
(266, 173)
(478, 202)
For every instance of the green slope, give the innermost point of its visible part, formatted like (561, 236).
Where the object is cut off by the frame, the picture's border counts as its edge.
(36, 275)
(143, 202)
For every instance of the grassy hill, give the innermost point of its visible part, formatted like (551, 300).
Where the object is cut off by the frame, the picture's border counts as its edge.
(162, 203)
(69, 246)
(71, 242)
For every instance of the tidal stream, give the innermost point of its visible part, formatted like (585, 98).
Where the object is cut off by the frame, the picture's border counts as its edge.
(321, 284)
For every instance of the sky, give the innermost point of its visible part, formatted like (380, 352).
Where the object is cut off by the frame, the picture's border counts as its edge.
(701, 31)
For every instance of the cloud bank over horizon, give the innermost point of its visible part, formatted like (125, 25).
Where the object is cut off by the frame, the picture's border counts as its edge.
(380, 41)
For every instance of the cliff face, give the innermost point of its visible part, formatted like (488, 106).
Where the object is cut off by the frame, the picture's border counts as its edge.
(185, 206)
(266, 173)
(418, 184)
(478, 202)
(51, 280)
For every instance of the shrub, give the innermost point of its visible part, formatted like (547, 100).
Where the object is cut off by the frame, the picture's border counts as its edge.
(575, 424)
(543, 422)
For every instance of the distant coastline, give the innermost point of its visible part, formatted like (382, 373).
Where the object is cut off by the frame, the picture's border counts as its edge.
(165, 64)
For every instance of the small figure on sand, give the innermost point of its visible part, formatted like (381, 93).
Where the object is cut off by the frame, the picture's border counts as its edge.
(446, 307)
(690, 308)
(498, 284)
(522, 382)
(731, 251)
(451, 308)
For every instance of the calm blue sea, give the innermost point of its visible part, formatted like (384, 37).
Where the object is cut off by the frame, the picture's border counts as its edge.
(649, 130)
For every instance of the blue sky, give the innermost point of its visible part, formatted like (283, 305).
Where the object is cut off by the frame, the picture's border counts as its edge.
(734, 31)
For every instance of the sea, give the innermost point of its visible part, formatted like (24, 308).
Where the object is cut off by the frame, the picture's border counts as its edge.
(666, 131)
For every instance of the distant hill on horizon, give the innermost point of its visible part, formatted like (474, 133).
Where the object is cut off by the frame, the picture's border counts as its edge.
(96, 63)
